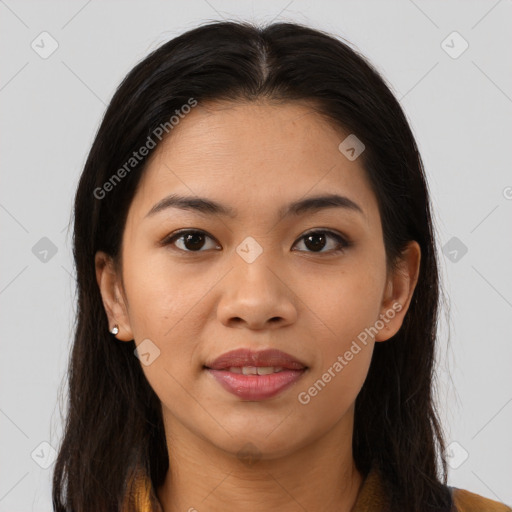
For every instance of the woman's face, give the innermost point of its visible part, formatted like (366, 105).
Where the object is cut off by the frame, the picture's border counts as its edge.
(260, 275)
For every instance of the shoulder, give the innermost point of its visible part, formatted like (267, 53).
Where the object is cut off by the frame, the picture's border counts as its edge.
(465, 501)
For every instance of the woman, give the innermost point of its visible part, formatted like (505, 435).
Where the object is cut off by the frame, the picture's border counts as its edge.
(257, 289)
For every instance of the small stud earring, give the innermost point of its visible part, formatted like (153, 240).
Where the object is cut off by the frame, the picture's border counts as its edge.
(115, 330)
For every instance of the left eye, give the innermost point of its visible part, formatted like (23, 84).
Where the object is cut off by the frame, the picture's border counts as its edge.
(316, 241)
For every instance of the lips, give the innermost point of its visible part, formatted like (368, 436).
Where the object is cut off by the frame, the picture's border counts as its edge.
(246, 358)
(256, 375)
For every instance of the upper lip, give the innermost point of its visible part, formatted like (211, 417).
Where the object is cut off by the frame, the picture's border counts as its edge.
(263, 358)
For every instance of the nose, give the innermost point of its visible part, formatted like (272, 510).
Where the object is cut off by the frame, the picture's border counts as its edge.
(256, 297)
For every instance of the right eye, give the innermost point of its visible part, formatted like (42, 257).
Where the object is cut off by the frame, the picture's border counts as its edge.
(191, 240)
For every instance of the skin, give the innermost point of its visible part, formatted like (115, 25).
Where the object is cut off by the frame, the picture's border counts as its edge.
(197, 305)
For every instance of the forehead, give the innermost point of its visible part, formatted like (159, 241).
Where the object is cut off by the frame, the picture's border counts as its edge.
(263, 131)
(251, 154)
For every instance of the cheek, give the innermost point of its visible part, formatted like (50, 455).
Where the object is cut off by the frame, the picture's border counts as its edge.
(347, 301)
(331, 391)
(348, 304)
(165, 307)
(160, 295)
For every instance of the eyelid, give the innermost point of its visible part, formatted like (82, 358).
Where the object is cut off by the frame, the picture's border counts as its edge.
(169, 239)
(342, 239)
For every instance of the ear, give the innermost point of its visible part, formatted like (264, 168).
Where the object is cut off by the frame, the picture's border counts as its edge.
(110, 284)
(399, 291)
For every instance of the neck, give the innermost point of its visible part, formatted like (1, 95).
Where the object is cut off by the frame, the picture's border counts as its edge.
(320, 475)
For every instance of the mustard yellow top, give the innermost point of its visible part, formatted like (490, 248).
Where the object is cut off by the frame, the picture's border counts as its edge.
(141, 497)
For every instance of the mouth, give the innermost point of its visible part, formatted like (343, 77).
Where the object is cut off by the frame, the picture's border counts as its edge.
(256, 376)
(254, 370)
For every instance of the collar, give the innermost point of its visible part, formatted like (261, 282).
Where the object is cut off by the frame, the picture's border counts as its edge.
(141, 496)
(372, 495)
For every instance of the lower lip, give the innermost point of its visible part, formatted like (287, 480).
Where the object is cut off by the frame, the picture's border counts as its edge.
(256, 387)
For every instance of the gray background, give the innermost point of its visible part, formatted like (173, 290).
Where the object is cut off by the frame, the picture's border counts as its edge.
(460, 111)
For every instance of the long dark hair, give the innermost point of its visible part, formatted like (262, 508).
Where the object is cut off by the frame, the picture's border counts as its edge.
(114, 422)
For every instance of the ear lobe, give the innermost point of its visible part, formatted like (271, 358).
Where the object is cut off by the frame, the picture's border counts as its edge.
(109, 283)
(399, 291)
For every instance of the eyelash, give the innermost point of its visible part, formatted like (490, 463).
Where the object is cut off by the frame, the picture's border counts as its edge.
(343, 243)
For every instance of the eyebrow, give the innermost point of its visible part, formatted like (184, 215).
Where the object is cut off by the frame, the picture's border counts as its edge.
(210, 207)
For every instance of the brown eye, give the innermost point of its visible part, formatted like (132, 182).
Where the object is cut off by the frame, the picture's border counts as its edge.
(189, 240)
(316, 241)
